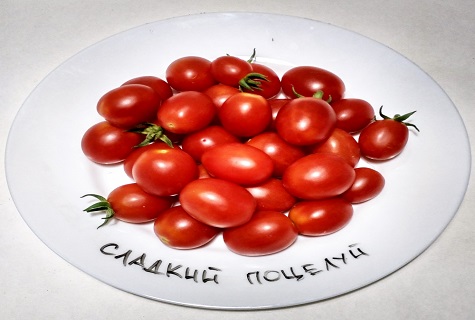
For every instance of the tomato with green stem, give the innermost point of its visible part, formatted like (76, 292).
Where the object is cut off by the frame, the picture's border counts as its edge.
(190, 73)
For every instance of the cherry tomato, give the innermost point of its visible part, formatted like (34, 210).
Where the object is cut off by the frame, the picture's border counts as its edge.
(317, 176)
(367, 185)
(178, 230)
(282, 153)
(129, 105)
(385, 139)
(239, 163)
(271, 195)
(276, 105)
(186, 112)
(245, 114)
(352, 114)
(134, 155)
(197, 143)
(217, 202)
(190, 74)
(307, 80)
(105, 144)
(268, 87)
(164, 172)
(266, 233)
(159, 85)
(305, 121)
(342, 144)
(321, 217)
(230, 70)
(220, 93)
(130, 203)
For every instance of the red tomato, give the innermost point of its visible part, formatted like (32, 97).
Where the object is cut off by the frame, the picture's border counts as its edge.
(164, 172)
(240, 163)
(105, 144)
(186, 112)
(217, 202)
(367, 185)
(178, 230)
(307, 80)
(134, 155)
(130, 203)
(159, 85)
(190, 74)
(230, 70)
(268, 87)
(245, 114)
(317, 176)
(282, 153)
(305, 121)
(129, 105)
(197, 143)
(342, 144)
(352, 114)
(266, 233)
(385, 139)
(321, 217)
(271, 195)
(220, 93)
(276, 105)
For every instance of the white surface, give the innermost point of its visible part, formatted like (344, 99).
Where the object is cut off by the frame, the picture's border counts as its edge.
(37, 283)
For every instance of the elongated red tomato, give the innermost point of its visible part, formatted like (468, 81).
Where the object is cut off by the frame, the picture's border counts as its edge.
(230, 70)
(268, 87)
(266, 233)
(367, 185)
(190, 73)
(318, 176)
(135, 154)
(239, 163)
(220, 93)
(342, 144)
(353, 114)
(159, 85)
(272, 196)
(217, 202)
(321, 217)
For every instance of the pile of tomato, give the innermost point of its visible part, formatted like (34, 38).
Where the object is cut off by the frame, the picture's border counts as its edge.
(226, 146)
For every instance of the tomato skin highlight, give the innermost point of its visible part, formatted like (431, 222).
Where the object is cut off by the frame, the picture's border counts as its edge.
(267, 232)
(321, 217)
(159, 85)
(134, 155)
(367, 185)
(342, 144)
(318, 176)
(218, 203)
(190, 73)
(272, 196)
(178, 230)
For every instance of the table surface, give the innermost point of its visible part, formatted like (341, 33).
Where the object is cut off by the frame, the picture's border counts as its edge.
(37, 36)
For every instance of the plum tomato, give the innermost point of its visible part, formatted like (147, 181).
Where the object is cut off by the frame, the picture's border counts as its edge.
(385, 139)
(197, 143)
(186, 112)
(159, 85)
(268, 87)
(129, 105)
(266, 233)
(131, 204)
(178, 230)
(352, 115)
(276, 104)
(245, 114)
(230, 70)
(272, 196)
(281, 152)
(239, 163)
(318, 176)
(321, 217)
(340, 143)
(367, 185)
(307, 80)
(305, 121)
(220, 93)
(218, 203)
(105, 144)
(190, 73)
(134, 155)
(164, 172)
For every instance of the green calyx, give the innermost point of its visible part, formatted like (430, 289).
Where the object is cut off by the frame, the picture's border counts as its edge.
(152, 133)
(252, 81)
(316, 95)
(101, 205)
(399, 118)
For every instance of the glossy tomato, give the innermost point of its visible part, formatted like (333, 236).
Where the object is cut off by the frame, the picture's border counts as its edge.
(134, 155)
(230, 70)
(353, 114)
(240, 163)
(217, 202)
(267, 87)
(342, 144)
(130, 203)
(129, 105)
(321, 217)
(305, 121)
(266, 233)
(105, 144)
(271, 195)
(317, 176)
(164, 172)
(367, 185)
(220, 93)
(276, 104)
(159, 85)
(307, 80)
(178, 230)
(190, 73)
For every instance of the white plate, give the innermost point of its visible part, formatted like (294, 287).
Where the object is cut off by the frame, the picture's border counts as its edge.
(47, 172)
